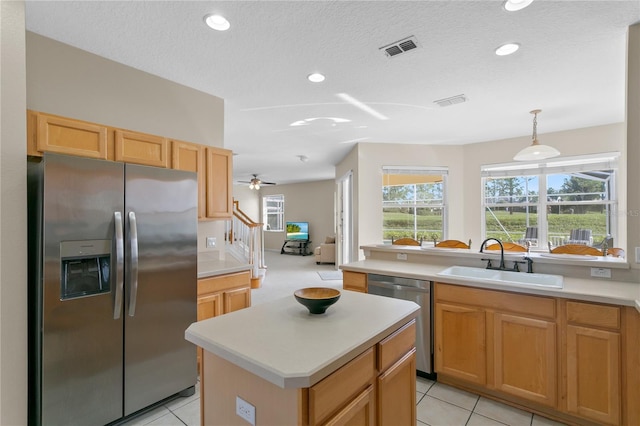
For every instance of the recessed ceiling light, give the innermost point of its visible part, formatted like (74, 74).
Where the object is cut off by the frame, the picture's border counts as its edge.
(515, 5)
(217, 22)
(507, 49)
(316, 77)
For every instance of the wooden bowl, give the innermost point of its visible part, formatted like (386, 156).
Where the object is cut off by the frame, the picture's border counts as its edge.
(317, 299)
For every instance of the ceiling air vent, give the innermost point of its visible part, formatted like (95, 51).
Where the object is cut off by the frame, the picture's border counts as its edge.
(399, 47)
(458, 99)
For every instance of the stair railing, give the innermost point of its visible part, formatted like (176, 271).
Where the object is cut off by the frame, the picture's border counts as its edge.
(245, 241)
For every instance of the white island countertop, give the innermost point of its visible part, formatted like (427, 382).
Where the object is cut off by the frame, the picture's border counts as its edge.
(282, 343)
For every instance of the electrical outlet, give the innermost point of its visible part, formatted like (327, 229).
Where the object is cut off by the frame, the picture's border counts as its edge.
(246, 410)
(601, 272)
(402, 256)
(211, 242)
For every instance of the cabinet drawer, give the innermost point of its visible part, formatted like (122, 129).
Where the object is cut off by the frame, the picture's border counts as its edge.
(593, 315)
(395, 346)
(355, 281)
(329, 395)
(223, 282)
(544, 307)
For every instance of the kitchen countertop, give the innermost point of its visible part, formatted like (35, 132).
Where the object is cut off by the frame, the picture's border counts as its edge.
(539, 257)
(210, 266)
(281, 342)
(613, 292)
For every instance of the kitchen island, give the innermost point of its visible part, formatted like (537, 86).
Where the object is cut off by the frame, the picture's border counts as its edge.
(356, 361)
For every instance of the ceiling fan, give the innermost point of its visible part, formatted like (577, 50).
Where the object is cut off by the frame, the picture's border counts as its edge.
(255, 183)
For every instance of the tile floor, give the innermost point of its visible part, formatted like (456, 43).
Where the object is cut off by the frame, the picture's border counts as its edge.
(438, 404)
(442, 405)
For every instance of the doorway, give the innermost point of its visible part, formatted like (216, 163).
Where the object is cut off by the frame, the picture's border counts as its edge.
(344, 212)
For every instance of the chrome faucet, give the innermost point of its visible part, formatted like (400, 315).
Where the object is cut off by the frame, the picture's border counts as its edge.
(482, 246)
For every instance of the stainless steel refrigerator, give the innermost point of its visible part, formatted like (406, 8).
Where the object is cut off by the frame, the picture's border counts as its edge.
(112, 288)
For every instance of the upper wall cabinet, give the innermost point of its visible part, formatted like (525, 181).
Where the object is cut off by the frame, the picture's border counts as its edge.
(65, 136)
(191, 158)
(219, 183)
(140, 148)
(214, 166)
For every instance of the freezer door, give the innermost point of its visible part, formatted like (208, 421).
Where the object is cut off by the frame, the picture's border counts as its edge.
(161, 263)
(82, 343)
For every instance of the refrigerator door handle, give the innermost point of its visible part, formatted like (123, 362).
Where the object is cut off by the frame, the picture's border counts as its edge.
(117, 308)
(133, 279)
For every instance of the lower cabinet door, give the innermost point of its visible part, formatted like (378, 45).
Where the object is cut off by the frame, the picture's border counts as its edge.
(460, 342)
(359, 412)
(525, 357)
(593, 374)
(237, 299)
(397, 392)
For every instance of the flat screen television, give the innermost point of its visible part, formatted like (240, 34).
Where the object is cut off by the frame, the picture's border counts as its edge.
(298, 231)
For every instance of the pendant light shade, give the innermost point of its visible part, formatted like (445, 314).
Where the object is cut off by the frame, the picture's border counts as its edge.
(536, 151)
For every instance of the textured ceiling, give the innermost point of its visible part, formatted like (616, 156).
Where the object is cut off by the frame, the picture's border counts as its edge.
(571, 65)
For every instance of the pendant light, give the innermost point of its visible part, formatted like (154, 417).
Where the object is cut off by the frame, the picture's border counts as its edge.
(536, 151)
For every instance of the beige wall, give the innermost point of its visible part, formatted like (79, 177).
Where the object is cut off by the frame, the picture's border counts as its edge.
(633, 145)
(589, 140)
(367, 160)
(464, 195)
(67, 81)
(249, 201)
(311, 202)
(13, 216)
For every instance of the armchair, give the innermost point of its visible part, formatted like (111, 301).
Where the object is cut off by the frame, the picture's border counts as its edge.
(326, 252)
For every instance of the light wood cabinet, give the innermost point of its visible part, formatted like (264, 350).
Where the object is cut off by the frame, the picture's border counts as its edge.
(460, 342)
(140, 148)
(214, 166)
(359, 412)
(190, 157)
(593, 362)
(524, 357)
(501, 341)
(396, 392)
(354, 281)
(573, 360)
(50, 133)
(329, 398)
(223, 294)
(220, 295)
(219, 183)
(396, 381)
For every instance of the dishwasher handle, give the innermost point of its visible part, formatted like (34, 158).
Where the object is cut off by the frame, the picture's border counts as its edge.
(397, 287)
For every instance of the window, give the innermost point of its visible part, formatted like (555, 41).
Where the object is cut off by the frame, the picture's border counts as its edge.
(273, 212)
(413, 203)
(561, 201)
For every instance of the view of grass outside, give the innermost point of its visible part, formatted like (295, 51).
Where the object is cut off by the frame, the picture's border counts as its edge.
(571, 201)
(425, 224)
(559, 225)
(412, 205)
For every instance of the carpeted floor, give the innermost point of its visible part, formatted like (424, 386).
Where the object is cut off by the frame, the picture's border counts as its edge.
(288, 273)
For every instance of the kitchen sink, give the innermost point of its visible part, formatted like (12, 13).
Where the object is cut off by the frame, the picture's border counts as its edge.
(502, 277)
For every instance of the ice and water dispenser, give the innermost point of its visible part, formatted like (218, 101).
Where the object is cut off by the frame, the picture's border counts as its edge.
(85, 268)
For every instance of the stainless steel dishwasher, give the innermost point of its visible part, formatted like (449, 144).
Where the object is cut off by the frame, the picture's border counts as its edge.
(417, 291)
